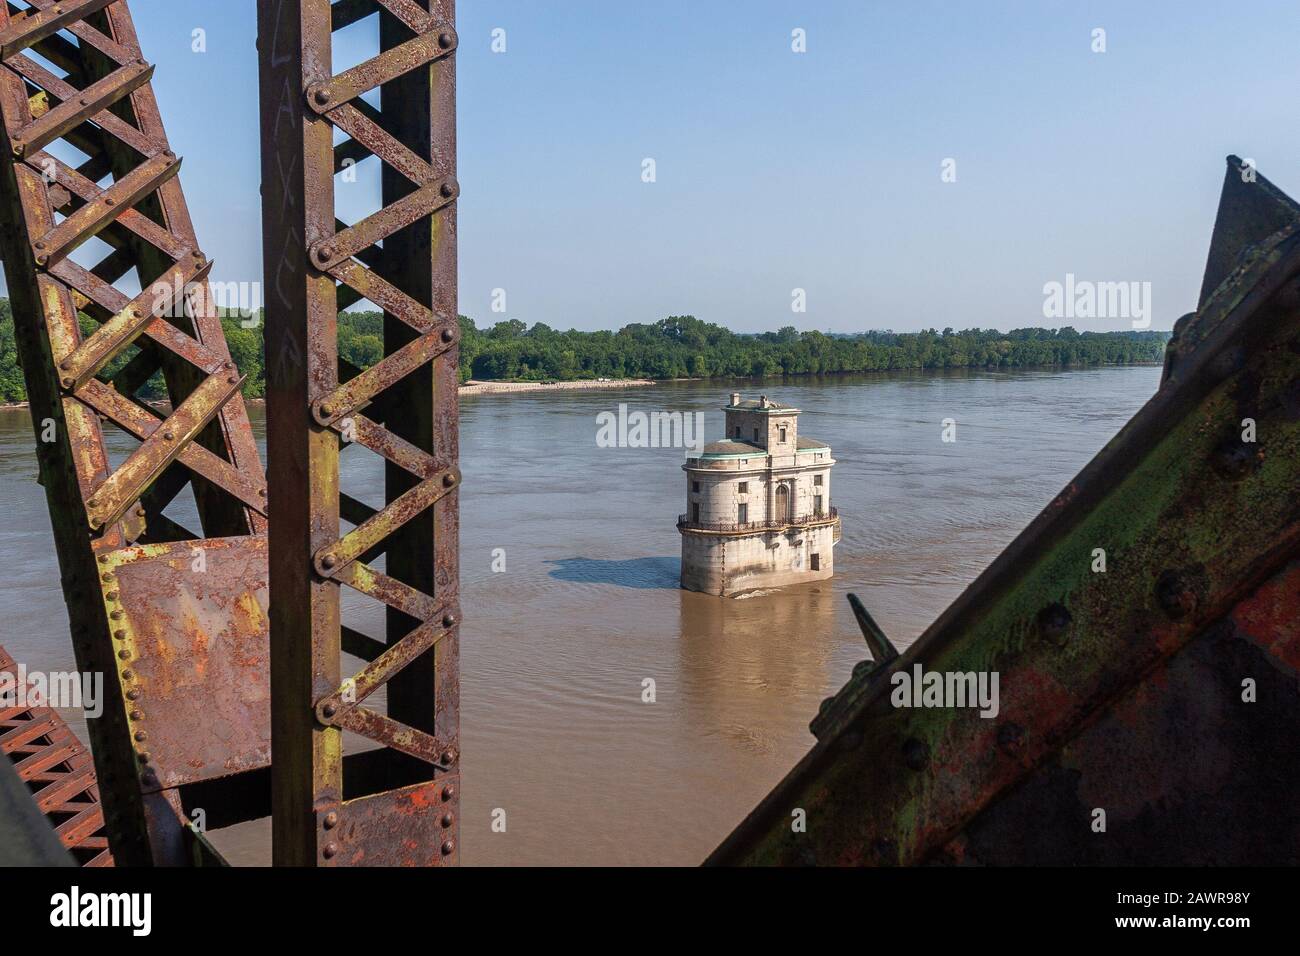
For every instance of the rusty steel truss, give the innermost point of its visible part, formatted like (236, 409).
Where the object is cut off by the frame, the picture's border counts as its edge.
(56, 768)
(173, 617)
(399, 108)
(1148, 711)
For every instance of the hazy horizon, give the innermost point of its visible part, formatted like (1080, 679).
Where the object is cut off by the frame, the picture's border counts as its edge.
(777, 170)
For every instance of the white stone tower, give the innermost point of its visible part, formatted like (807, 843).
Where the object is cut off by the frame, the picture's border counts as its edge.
(758, 504)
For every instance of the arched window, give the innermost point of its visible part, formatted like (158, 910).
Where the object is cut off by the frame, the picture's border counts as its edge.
(783, 512)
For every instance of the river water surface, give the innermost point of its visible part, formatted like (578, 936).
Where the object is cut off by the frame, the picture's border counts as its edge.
(555, 648)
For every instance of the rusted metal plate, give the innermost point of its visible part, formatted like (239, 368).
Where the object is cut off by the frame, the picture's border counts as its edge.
(411, 826)
(1187, 766)
(1195, 506)
(190, 632)
(55, 766)
(409, 397)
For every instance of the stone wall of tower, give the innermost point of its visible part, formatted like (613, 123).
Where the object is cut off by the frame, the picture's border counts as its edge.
(728, 565)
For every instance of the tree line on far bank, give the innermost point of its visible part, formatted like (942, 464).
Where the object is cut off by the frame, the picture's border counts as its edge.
(676, 347)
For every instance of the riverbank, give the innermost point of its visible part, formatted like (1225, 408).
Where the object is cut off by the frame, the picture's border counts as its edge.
(473, 387)
(476, 387)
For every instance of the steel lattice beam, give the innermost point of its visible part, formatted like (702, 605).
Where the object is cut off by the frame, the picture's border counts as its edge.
(152, 604)
(403, 409)
(1163, 690)
(58, 771)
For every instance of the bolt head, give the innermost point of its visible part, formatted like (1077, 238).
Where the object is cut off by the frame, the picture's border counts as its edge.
(448, 792)
(448, 335)
(322, 96)
(330, 709)
(447, 820)
(1011, 738)
(331, 820)
(916, 754)
(447, 190)
(328, 561)
(449, 620)
(448, 480)
(445, 40)
(1054, 623)
(449, 848)
(330, 850)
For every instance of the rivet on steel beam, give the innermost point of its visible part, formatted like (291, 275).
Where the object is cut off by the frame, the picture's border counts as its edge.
(445, 40)
(449, 620)
(1011, 738)
(137, 715)
(326, 410)
(1054, 624)
(447, 190)
(448, 792)
(449, 757)
(141, 736)
(329, 561)
(330, 709)
(67, 382)
(325, 253)
(448, 335)
(103, 559)
(116, 615)
(321, 96)
(132, 694)
(1174, 594)
(448, 848)
(112, 595)
(1233, 459)
(330, 850)
(124, 654)
(120, 634)
(169, 436)
(447, 820)
(331, 820)
(916, 754)
(65, 365)
(448, 480)
(127, 675)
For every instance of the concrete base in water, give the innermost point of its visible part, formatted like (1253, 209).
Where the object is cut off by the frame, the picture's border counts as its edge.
(729, 564)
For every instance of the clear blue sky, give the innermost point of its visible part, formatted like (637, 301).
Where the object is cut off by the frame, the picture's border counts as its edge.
(820, 170)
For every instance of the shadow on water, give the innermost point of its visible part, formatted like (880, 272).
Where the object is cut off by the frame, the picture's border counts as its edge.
(648, 573)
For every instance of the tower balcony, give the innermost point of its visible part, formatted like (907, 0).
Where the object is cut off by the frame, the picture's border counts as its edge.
(812, 520)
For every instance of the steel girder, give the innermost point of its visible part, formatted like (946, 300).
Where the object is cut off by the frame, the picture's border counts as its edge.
(1148, 712)
(56, 770)
(402, 409)
(175, 618)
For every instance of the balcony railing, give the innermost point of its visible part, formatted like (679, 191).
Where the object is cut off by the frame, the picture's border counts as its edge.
(745, 527)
